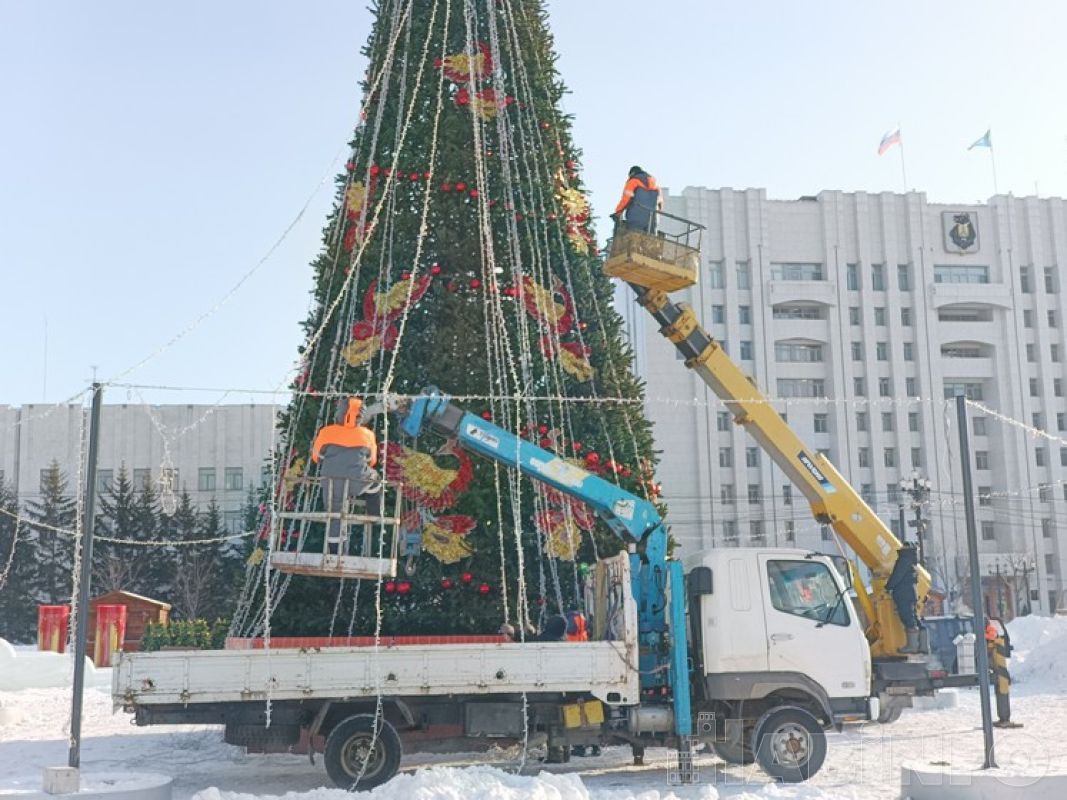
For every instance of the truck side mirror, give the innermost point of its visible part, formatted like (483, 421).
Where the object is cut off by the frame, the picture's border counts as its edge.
(842, 566)
(699, 581)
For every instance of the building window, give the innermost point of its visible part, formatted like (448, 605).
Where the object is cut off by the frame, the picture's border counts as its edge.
(889, 456)
(855, 315)
(796, 271)
(729, 532)
(755, 494)
(1061, 421)
(867, 493)
(790, 531)
(822, 423)
(1050, 281)
(726, 456)
(961, 274)
(787, 494)
(826, 533)
(1050, 565)
(718, 314)
(892, 493)
(978, 425)
(985, 495)
(234, 479)
(961, 351)
(859, 388)
(744, 280)
(746, 350)
(864, 456)
(797, 352)
(916, 457)
(969, 389)
(988, 532)
(857, 351)
(205, 480)
(714, 273)
(1054, 353)
(879, 316)
(233, 521)
(963, 313)
(1046, 528)
(903, 277)
(910, 387)
(141, 479)
(905, 317)
(755, 530)
(801, 387)
(798, 312)
(825, 453)
(1024, 280)
(909, 351)
(887, 420)
(913, 421)
(878, 277)
(1040, 457)
(751, 456)
(885, 387)
(1028, 318)
(1037, 420)
(1031, 354)
(981, 459)
(745, 314)
(1057, 387)
(861, 420)
(881, 351)
(1052, 319)
(894, 527)
(1033, 387)
(852, 277)
(104, 480)
(1044, 492)
(726, 493)
(722, 420)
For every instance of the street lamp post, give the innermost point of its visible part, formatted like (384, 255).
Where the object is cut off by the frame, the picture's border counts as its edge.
(918, 489)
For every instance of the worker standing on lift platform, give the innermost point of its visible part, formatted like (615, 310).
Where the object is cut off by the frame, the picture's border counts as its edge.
(641, 199)
(346, 453)
(902, 586)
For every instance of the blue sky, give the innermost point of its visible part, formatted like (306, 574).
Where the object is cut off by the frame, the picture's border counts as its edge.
(152, 153)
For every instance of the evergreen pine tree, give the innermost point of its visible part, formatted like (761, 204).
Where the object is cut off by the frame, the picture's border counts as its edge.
(460, 254)
(18, 573)
(118, 566)
(194, 564)
(53, 551)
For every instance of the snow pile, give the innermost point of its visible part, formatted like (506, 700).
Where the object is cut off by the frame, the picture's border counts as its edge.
(30, 669)
(475, 783)
(1039, 656)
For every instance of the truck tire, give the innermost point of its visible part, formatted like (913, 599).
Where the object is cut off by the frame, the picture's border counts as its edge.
(357, 759)
(731, 753)
(789, 744)
(890, 714)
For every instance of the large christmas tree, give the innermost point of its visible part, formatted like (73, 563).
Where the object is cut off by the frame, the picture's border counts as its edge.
(460, 254)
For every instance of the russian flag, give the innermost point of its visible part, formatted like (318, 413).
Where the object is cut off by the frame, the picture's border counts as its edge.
(890, 139)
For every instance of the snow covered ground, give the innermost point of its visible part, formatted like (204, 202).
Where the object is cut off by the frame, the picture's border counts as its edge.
(863, 762)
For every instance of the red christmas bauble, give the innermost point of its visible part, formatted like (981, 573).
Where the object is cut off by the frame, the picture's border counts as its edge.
(546, 443)
(484, 588)
(405, 276)
(487, 415)
(570, 165)
(542, 429)
(446, 583)
(583, 325)
(461, 186)
(475, 283)
(518, 216)
(474, 193)
(437, 63)
(435, 269)
(545, 125)
(467, 577)
(577, 447)
(451, 286)
(403, 587)
(552, 216)
(592, 458)
(427, 175)
(375, 170)
(446, 187)
(350, 166)
(463, 97)
(509, 100)
(539, 600)
(390, 587)
(414, 177)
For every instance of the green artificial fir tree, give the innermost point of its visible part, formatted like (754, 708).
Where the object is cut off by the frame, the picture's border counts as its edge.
(460, 254)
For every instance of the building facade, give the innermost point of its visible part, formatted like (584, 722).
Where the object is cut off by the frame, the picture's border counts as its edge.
(860, 315)
(213, 452)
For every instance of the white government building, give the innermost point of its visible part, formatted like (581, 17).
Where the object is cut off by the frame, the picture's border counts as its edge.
(210, 451)
(885, 304)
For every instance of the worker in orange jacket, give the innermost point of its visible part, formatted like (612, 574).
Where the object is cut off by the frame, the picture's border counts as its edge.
(640, 201)
(347, 453)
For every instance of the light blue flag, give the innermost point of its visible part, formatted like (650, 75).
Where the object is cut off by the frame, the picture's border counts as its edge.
(985, 141)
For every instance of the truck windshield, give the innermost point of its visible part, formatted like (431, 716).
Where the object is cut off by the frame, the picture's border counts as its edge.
(806, 589)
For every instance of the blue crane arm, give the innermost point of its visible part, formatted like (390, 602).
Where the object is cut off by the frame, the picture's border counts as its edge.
(631, 518)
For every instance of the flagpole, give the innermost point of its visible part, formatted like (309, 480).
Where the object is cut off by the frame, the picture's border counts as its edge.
(993, 162)
(903, 170)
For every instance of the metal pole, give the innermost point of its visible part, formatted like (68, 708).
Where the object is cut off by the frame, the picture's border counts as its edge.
(919, 498)
(981, 656)
(74, 757)
(903, 525)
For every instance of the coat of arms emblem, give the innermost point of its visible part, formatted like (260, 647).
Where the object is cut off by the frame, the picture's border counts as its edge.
(961, 234)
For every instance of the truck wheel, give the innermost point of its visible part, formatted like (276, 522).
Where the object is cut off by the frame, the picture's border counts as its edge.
(731, 753)
(356, 758)
(789, 744)
(890, 714)
(558, 754)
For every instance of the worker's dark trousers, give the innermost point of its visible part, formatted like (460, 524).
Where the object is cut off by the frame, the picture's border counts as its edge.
(338, 489)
